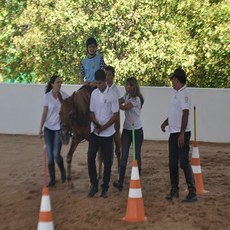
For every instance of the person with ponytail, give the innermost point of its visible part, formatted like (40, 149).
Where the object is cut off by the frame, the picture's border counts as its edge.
(50, 127)
(131, 103)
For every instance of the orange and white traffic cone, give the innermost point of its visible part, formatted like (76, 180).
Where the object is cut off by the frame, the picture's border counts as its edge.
(196, 168)
(45, 216)
(135, 207)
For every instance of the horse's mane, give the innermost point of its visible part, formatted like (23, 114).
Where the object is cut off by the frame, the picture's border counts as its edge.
(81, 99)
(69, 101)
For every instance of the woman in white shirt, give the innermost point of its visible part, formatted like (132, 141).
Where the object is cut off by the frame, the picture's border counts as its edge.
(50, 127)
(131, 103)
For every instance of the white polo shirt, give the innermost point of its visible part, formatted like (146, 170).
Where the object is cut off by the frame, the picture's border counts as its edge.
(115, 90)
(54, 105)
(104, 105)
(133, 115)
(179, 102)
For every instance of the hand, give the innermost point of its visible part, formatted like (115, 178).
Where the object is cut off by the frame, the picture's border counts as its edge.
(40, 134)
(181, 140)
(163, 125)
(97, 128)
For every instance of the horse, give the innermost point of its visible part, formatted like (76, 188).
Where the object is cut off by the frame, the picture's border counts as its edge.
(75, 123)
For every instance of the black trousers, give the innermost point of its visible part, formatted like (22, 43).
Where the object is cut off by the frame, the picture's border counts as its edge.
(106, 145)
(180, 155)
(126, 140)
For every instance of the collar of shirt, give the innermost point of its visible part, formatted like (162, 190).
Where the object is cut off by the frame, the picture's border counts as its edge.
(105, 91)
(90, 57)
(182, 88)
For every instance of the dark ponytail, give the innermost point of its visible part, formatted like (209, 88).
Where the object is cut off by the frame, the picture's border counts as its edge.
(51, 81)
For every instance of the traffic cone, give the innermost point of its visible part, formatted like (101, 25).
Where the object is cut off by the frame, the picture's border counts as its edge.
(135, 207)
(196, 168)
(45, 221)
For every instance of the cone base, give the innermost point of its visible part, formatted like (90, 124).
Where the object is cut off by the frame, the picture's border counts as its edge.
(198, 192)
(135, 210)
(201, 192)
(134, 220)
(199, 184)
(45, 226)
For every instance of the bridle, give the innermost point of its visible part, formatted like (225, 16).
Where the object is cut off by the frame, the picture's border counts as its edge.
(69, 124)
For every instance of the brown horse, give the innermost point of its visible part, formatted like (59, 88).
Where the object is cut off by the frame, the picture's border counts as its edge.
(75, 122)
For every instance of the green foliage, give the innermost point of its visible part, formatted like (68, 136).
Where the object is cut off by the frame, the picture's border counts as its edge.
(146, 38)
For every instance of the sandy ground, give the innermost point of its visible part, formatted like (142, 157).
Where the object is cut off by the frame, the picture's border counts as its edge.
(21, 179)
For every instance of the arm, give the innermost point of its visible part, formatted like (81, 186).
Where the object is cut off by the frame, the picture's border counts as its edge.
(82, 73)
(94, 120)
(81, 78)
(43, 119)
(127, 106)
(121, 100)
(184, 122)
(164, 124)
(112, 120)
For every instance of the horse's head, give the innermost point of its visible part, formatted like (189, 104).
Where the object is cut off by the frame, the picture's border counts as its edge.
(66, 119)
(74, 115)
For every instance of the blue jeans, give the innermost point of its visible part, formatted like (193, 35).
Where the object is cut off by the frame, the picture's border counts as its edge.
(126, 140)
(53, 146)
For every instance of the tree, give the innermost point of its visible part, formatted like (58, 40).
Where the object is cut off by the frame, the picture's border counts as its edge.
(146, 38)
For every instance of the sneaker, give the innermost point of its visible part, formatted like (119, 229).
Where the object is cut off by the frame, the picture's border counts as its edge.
(104, 193)
(93, 190)
(174, 193)
(191, 197)
(118, 185)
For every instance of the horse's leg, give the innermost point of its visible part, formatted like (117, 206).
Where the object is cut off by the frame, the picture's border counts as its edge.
(117, 141)
(74, 144)
(99, 158)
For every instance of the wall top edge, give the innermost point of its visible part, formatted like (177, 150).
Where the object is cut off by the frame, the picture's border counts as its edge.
(144, 87)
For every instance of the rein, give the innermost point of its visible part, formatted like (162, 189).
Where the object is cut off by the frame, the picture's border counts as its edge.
(76, 117)
(68, 125)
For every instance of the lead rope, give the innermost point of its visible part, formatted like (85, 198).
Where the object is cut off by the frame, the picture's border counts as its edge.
(45, 166)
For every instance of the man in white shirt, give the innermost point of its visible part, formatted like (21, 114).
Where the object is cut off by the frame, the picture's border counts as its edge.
(104, 110)
(180, 132)
(110, 74)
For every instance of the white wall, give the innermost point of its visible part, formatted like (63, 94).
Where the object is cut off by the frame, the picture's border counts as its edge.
(21, 108)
